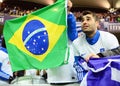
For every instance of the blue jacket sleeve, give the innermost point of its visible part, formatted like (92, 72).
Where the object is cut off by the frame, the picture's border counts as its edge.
(72, 32)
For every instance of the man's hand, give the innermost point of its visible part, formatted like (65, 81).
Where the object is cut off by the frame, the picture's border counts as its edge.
(92, 55)
(69, 6)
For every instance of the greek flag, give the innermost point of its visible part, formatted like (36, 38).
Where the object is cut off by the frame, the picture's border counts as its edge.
(103, 72)
(5, 68)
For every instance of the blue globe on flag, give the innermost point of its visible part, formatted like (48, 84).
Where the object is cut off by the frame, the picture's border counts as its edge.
(35, 37)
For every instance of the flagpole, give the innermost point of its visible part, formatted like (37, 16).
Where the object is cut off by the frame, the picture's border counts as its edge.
(32, 75)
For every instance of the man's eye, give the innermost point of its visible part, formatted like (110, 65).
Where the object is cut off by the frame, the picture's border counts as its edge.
(88, 19)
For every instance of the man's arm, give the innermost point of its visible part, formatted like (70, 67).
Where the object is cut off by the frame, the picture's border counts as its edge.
(112, 52)
(72, 32)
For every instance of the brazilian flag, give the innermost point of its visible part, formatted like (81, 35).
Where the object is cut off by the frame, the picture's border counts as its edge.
(39, 39)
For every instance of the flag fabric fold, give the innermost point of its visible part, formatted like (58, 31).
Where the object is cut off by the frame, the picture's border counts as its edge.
(38, 40)
(103, 72)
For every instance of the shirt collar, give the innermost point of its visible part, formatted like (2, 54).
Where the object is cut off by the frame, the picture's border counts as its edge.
(94, 39)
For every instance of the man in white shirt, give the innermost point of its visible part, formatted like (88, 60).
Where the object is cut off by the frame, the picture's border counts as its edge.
(92, 41)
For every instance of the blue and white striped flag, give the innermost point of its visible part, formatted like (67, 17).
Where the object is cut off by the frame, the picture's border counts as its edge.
(5, 67)
(103, 72)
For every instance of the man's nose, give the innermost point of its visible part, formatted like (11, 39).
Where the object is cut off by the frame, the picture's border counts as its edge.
(84, 22)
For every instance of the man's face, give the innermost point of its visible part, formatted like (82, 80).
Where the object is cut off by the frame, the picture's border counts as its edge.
(89, 25)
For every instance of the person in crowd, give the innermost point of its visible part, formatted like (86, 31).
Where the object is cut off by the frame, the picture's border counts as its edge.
(65, 74)
(6, 74)
(92, 41)
(3, 42)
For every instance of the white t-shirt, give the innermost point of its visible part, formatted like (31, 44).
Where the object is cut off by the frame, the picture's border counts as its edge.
(83, 48)
(63, 74)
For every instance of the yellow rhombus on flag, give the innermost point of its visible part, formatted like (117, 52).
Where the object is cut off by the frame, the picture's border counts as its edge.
(38, 40)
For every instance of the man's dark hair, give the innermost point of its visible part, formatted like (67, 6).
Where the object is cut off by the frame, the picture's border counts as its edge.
(90, 12)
